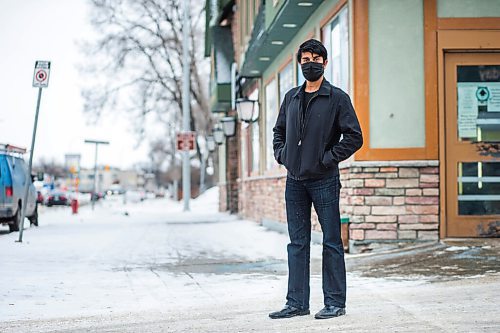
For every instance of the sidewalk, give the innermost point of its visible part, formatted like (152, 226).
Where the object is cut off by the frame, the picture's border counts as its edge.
(149, 267)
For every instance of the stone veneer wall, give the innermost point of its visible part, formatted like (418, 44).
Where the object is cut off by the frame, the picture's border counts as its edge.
(387, 202)
(390, 202)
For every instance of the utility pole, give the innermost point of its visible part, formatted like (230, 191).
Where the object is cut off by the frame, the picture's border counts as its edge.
(94, 187)
(40, 81)
(186, 169)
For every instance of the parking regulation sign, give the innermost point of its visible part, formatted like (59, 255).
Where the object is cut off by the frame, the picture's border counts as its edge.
(41, 74)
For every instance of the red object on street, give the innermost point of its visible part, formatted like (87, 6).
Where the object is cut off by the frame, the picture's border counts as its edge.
(74, 206)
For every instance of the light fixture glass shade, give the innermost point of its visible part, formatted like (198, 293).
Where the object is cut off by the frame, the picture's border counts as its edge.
(228, 126)
(210, 143)
(218, 135)
(246, 108)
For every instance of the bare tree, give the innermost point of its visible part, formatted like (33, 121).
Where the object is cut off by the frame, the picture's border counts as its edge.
(136, 65)
(50, 167)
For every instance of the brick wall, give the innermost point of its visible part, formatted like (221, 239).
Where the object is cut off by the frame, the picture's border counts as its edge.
(390, 204)
(387, 202)
(228, 191)
(232, 171)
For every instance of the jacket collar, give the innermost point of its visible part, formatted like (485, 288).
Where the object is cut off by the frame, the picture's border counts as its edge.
(324, 89)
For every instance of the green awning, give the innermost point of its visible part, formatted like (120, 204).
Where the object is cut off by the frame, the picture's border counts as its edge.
(266, 44)
(223, 59)
(215, 11)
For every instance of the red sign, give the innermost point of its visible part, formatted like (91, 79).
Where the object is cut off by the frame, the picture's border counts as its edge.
(185, 140)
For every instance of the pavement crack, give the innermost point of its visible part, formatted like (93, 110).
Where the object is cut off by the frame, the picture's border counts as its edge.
(199, 285)
(158, 275)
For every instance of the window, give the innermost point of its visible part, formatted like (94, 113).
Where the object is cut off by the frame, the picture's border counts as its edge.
(271, 115)
(300, 77)
(255, 146)
(285, 80)
(254, 135)
(336, 40)
(250, 143)
(244, 149)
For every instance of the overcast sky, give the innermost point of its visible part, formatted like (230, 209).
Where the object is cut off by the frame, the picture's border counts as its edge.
(33, 30)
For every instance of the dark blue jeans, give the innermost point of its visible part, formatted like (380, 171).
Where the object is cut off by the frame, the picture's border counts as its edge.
(324, 195)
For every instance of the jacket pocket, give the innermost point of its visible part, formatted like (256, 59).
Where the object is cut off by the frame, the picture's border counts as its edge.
(282, 156)
(327, 159)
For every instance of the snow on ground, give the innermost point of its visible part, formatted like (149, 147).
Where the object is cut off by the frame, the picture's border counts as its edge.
(150, 267)
(136, 256)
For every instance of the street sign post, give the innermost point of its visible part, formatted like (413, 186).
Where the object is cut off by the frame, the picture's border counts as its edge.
(41, 76)
(93, 197)
(186, 96)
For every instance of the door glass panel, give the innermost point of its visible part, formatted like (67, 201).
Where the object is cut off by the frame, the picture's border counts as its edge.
(478, 188)
(478, 103)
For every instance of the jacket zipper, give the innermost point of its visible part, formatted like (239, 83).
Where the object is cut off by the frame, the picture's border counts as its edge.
(304, 122)
(302, 132)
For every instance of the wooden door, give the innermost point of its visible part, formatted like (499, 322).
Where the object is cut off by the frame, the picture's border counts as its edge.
(472, 132)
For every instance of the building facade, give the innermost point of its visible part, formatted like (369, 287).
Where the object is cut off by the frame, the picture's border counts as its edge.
(424, 78)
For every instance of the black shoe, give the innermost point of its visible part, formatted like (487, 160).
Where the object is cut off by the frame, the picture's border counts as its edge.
(330, 311)
(288, 312)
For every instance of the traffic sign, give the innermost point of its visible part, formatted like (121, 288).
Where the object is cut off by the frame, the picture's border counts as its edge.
(186, 140)
(41, 74)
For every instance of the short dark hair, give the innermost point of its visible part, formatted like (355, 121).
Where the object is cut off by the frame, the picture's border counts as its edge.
(313, 46)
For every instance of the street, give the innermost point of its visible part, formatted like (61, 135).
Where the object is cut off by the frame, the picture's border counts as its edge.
(149, 267)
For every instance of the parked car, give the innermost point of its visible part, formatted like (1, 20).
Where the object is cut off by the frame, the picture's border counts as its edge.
(57, 198)
(39, 197)
(96, 196)
(13, 178)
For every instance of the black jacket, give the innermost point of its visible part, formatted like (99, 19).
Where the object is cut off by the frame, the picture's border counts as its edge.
(308, 143)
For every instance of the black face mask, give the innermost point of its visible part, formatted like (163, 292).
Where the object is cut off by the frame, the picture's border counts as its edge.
(312, 71)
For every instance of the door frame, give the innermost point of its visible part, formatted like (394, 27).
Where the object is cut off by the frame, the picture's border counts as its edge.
(462, 151)
(455, 40)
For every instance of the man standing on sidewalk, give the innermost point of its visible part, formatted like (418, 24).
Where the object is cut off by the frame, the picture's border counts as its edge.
(307, 142)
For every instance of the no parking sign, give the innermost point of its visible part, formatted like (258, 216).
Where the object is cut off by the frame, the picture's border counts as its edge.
(41, 74)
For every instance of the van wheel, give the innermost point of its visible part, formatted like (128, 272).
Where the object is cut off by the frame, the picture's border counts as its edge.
(17, 221)
(34, 218)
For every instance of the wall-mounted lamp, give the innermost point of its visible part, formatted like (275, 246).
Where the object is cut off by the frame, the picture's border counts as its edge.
(218, 135)
(228, 126)
(245, 107)
(246, 110)
(210, 143)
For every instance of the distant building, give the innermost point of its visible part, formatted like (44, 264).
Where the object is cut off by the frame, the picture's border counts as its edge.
(106, 177)
(424, 79)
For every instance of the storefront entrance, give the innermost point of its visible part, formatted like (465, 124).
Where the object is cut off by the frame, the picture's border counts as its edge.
(472, 135)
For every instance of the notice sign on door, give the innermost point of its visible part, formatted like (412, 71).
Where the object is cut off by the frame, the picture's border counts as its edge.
(41, 74)
(472, 97)
(467, 111)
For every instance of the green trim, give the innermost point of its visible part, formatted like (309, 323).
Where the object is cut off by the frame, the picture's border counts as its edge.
(221, 11)
(208, 33)
(220, 100)
(272, 10)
